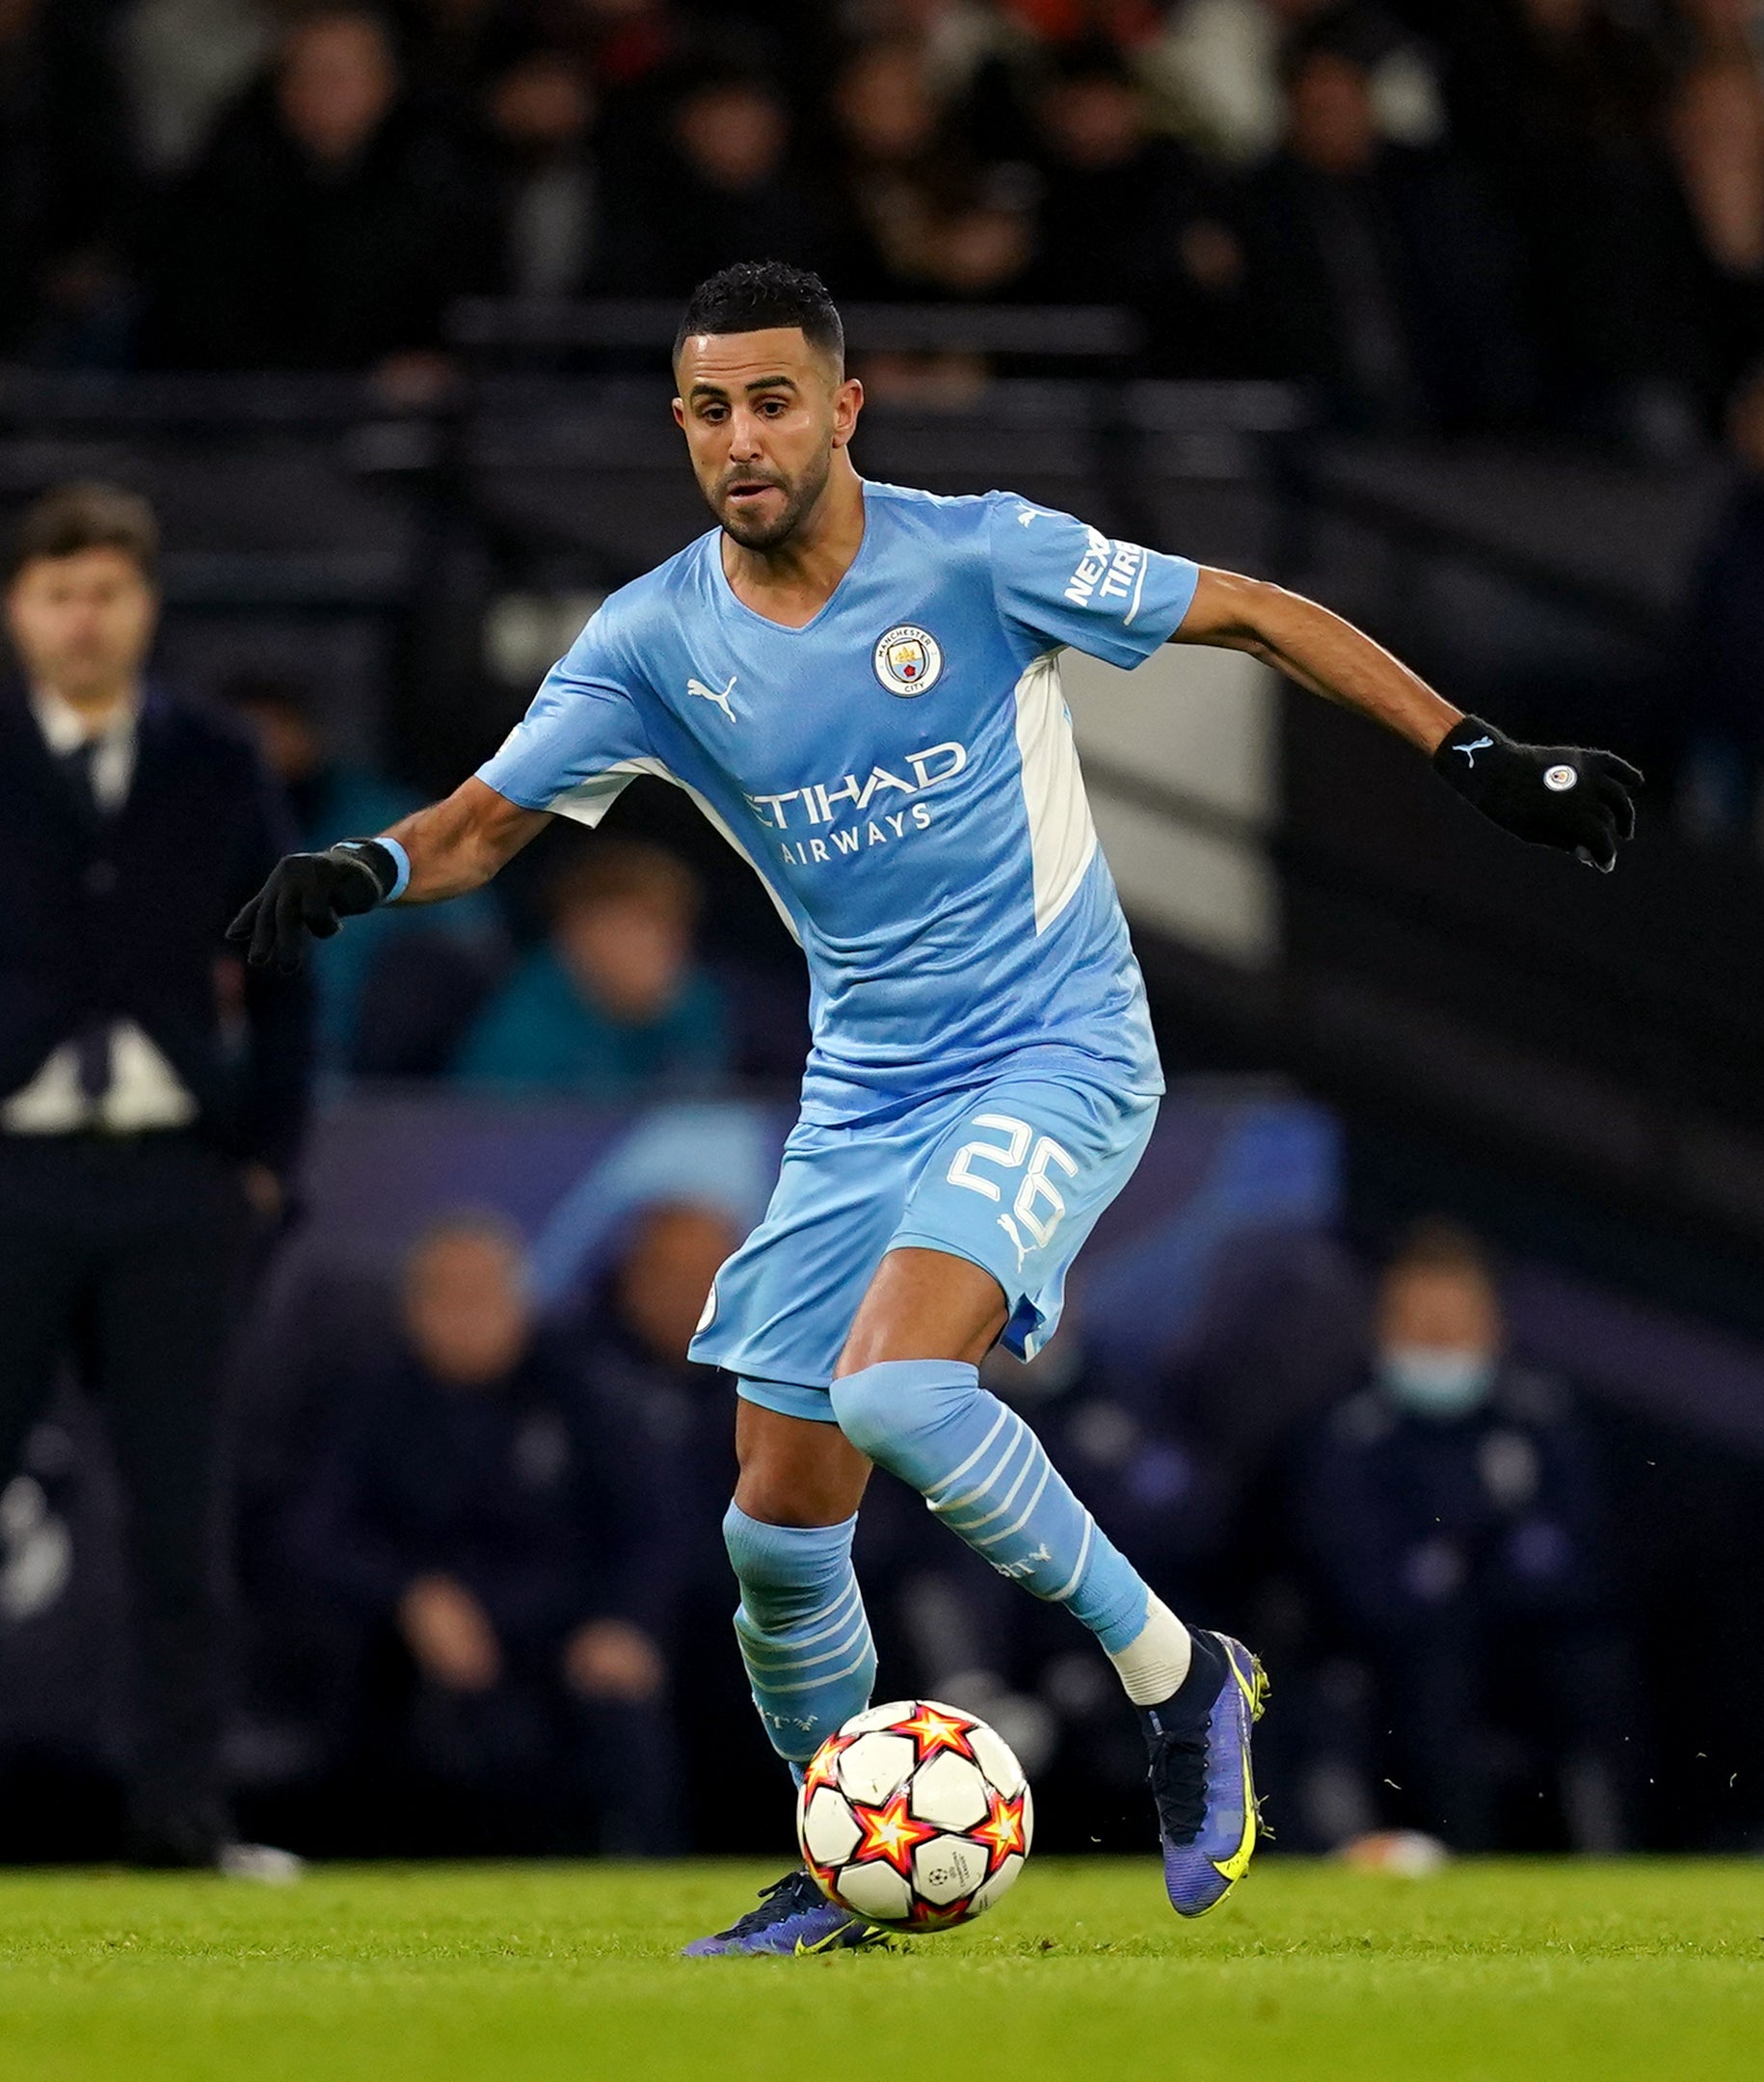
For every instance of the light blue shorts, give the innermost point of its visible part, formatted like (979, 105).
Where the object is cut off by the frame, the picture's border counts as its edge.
(1011, 1175)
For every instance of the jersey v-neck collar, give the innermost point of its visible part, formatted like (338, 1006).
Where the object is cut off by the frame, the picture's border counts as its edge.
(826, 607)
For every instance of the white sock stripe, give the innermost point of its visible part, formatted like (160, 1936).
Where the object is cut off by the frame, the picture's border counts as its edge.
(814, 1684)
(1072, 1582)
(950, 1481)
(971, 1526)
(828, 1620)
(992, 1539)
(989, 1481)
(788, 1659)
(983, 1492)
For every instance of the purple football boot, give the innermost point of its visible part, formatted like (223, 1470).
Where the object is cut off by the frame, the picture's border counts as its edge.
(1198, 1746)
(793, 1916)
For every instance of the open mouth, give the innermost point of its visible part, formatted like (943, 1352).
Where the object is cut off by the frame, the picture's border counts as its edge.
(745, 490)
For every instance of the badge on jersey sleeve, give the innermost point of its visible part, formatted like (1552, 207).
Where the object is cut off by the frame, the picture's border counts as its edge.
(909, 660)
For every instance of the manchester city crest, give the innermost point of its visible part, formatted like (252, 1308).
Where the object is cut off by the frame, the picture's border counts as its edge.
(909, 660)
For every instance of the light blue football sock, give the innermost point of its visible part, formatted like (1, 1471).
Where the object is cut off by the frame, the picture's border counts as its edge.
(803, 1630)
(987, 1476)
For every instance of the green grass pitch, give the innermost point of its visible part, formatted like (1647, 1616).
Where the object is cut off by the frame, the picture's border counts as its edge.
(1549, 1972)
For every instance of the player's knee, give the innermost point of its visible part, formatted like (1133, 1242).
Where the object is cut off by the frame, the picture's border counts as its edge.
(755, 1554)
(881, 1407)
(868, 1409)
(781, 1558)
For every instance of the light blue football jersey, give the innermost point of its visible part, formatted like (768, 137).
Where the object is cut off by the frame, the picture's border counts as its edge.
(900, 772)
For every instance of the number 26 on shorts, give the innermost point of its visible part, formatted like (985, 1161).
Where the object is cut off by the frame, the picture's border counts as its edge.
(1039, 1205)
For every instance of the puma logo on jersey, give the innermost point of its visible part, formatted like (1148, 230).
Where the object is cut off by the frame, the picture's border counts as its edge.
(1476, 745)
(700, 692)
(1011, 1230)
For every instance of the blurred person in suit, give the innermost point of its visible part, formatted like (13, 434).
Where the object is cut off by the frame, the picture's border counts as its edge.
(1564, 105)
(327, 225)
(1126, 216)
(725, 183)
(502, 1543)
(153, 1094)
(539, 117)
(68, 180)
(1377, 271)
(1452, 1511)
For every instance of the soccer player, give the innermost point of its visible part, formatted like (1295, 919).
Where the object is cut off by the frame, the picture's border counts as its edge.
(858, 684)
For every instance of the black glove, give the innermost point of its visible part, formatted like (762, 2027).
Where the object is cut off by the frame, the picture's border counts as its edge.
(1554, 795)
(311, 893)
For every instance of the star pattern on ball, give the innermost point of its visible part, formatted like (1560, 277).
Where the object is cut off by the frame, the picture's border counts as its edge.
(1001, 1833)
(932, 1729)
(891, 1834)
(821, 1769)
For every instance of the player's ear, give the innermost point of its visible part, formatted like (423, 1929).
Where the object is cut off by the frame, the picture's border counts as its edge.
(680, 413)
(847, 402)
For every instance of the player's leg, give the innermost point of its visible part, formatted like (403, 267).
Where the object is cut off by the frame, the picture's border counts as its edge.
(776, 1317)
(981, 1468)
(778, 1313)
(982, 1250)
(803, 1631)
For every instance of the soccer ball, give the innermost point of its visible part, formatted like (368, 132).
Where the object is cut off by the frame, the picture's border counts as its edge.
(914, 1815)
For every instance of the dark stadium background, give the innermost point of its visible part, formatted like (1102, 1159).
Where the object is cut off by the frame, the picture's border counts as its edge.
(1472, 356)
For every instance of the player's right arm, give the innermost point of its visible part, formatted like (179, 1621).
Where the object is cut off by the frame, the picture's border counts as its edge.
(457, 845)
(578, 746)
(445, 850)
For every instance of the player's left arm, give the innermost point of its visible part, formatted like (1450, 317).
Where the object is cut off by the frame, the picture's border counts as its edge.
(1567, 796)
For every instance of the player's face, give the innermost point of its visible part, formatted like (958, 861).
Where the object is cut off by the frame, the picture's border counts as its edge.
(81, 624)
(762, 414)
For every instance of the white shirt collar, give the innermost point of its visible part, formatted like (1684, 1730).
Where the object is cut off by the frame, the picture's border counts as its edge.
(64, 729)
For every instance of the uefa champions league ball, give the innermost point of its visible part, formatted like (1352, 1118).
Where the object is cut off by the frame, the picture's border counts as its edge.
(914, 1815)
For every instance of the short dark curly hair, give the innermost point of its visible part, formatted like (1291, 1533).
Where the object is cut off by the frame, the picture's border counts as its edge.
(755, 296)
(78, 517)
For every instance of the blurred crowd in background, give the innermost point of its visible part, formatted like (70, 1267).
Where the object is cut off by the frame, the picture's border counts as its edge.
(1499, 213)
(387, 1512)
(484, 1602)
(1514, 221)
(491, 1521)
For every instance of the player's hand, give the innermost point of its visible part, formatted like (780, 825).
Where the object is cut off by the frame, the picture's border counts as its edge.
(1555, 795)
(308, 896)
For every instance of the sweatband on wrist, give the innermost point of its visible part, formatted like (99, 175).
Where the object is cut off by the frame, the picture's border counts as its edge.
(401, 860)
(385, 859)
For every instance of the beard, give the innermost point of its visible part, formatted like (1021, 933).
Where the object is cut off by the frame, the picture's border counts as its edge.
(800, 495)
